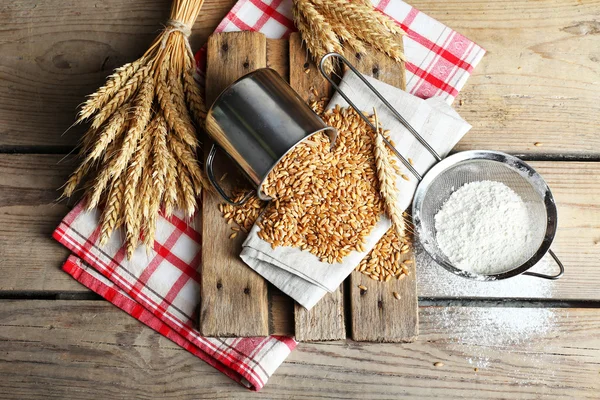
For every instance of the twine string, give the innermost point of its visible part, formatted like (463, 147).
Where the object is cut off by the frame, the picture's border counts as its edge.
(174, 25)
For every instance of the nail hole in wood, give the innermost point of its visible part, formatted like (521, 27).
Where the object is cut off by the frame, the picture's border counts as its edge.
(225, 47)
(358, 56)
(247, 291)
(380, 304)
(246, 64)
(306, 65)
(219, 285)
(362, 291)
(375, 70)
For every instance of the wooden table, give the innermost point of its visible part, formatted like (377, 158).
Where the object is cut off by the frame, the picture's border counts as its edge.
(539, 83)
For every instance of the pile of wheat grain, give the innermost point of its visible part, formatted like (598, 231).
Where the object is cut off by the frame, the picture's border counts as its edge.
(384, 261)
(245, 215)
(326, 201)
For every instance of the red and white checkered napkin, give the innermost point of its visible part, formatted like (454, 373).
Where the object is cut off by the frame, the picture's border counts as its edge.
(439, 60)
(162, 290)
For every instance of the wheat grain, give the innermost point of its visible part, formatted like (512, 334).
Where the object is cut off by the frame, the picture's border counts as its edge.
(326, 202)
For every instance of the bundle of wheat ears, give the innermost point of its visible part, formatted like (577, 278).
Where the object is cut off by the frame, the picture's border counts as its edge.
(345, 27)
(140, 149)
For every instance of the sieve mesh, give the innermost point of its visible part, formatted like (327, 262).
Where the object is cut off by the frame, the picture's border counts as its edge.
(449, 176)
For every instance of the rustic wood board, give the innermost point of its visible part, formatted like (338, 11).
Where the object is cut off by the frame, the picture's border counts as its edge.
(90, 349)
(234, 298)
(326, 320)
(377, 315)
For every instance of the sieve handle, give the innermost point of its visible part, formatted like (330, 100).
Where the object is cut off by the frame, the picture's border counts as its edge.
(551, 277)
(400, 118)
(213, 181)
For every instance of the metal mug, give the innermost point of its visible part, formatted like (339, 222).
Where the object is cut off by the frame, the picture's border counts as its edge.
(257, 120)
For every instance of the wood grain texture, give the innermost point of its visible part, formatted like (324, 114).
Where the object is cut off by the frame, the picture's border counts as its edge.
(234, 297)
(90, 349)
(538, 81)
(326, 320)
(30, 259)
(377, 316)
(58, 52)
(536, 84)
(278, 57)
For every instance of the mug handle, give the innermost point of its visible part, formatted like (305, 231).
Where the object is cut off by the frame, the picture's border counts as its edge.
(551, 277)
(213, 181)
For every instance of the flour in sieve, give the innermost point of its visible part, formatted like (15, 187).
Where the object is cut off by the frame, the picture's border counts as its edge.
(484, 228)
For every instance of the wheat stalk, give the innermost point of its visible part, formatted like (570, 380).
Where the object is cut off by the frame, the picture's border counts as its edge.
(387, 181)
(326, 24)
(192, 93)
(113, 85)
(111, 216)
(318, 34)
(142, 138)
(135, 171)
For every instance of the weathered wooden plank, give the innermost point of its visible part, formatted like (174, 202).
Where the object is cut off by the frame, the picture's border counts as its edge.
(278, 56)
(62, 51)
(90, 349)
(234, 297)
(326, 320)
(376, 314)
(576, 189)
(538, 82)
(29, 259)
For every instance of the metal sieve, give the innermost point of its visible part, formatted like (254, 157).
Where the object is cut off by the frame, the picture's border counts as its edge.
(451, 173)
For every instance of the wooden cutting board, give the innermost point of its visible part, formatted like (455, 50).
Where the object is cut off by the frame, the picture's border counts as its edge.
(238, 302)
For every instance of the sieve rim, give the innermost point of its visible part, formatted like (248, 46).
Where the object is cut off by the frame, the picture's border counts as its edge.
(511, 162)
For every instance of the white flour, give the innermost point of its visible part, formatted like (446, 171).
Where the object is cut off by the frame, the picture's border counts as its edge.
(484, 228)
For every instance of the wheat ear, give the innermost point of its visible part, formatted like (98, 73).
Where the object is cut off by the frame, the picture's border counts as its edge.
(112, 130)
(362, 21)
(113, 84)
(111, 216)
(132, 197)
(140, 116)
(193, 95)
(387, 181)
(123, 95)
(317, 33)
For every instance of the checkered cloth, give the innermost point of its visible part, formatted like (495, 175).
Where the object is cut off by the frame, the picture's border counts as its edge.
(439, 60)
(162, 289)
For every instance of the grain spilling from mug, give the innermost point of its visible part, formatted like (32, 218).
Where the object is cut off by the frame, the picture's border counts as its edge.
(326, 201)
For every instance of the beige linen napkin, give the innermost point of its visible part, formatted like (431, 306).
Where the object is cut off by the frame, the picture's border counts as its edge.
(300, 274)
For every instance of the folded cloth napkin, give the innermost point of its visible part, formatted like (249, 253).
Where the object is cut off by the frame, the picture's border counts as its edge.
(162, 290)
(164, 296)
(300, 274)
